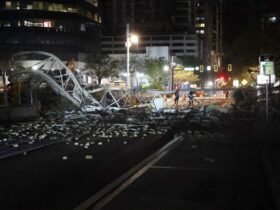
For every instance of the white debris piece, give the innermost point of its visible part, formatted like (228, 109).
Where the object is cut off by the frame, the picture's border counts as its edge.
(42, 136)
(88, 157)
(194, 146)
(64, 158)
(15, 145)
(125, 142)
(100, 143)
(209, 160)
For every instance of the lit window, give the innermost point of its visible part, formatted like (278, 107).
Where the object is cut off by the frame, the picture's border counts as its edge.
(200, 18)
(200, 25)
(200, 31)
(29, 6)
(7, 24)
(47, 24)
(8, 4)
(272, 19)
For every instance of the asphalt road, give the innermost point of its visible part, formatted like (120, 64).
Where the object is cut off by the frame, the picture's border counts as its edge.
(215, 167)
(62, 175)
(204, 173)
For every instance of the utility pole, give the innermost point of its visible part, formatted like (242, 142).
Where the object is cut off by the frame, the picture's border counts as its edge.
(127, 55)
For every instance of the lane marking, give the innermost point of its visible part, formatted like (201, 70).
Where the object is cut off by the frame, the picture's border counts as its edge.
(101, 198)
(117, 191)
(190, 168)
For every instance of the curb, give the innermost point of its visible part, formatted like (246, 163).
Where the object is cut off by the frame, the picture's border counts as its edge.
(271, 179)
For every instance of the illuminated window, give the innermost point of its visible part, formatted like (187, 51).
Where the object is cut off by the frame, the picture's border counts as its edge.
(7, 24)
(200, 18)
(8, 4)
(55, 7)
(29, 6)
(272, 19)
(200, 25)
(200, 31)
(51, 7)
(47, 24)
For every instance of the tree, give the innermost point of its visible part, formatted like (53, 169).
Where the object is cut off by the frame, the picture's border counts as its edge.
(182, 76)
(136, 63)
(103, 66)
(154, 69)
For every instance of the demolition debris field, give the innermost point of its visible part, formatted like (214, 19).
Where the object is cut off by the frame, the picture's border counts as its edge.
(82, 153)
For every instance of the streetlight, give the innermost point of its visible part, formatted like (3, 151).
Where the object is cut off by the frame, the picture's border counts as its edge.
(173, 65)
(170, 67)
(130, 39)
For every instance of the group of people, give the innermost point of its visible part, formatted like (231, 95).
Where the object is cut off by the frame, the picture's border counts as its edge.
(190, 96)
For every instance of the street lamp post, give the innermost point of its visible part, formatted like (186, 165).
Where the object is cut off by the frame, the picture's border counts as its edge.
(130, 39)
(127, 56)
(170, 67)
(172, 73)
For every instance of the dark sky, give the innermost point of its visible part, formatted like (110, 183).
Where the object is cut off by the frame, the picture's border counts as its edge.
(242, 16)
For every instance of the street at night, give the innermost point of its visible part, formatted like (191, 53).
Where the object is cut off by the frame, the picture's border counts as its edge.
(139, 105)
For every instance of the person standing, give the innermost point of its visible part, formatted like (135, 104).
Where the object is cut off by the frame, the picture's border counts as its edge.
(191, 98)
(176, 100)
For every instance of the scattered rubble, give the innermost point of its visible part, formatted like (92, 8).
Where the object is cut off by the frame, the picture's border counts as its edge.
(84, 130)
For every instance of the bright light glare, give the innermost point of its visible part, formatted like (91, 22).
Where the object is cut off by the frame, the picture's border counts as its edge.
(139, 74)
(210, 83)
(208, 68)
(134, 39)
(166, 68)
(35, 68)
(189, 68)
(235, 83)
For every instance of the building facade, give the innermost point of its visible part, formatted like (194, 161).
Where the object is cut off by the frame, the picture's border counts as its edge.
(198, 18)
(67, 28)
(144, 16)
(208, 26)
(179, 45)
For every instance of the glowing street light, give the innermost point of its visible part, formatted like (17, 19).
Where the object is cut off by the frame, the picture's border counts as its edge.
(130, 39)
(166, 68)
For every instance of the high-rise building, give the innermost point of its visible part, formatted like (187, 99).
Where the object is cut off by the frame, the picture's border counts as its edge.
(145, 16)
(208, 25)
(183, 16)
(63, 27)
(202, 18)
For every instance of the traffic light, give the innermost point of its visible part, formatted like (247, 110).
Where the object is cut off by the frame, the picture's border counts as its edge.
(201, 68)
(229, 67)
(216, 68)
